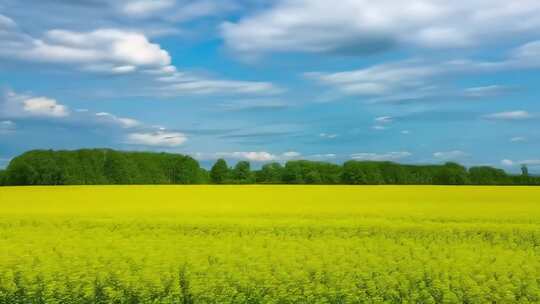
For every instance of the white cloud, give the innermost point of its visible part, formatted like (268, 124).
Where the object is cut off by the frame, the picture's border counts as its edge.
(6, 126)
(507, 162)
(15, 105)
(379, 128)
(450, 155)
(378, 80)
(485, 91)
(322, 156)
(531, 162)
(182, 83)
(511, 115)
(255, 156)
(157, 138)
(119, 52)
(390, 156)
(527, 162)
(384, 119)
(6, 22)
(249, 105)
(405, 132)
(328, 135)
(417, 79)
(363, 26)
(173, 10)
(518, 139)
(291, 154)
(43, 106)
(124, 122)
(103, 50)
(143, 8)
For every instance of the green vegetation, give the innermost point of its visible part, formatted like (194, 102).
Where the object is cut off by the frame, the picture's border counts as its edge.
(104, 166)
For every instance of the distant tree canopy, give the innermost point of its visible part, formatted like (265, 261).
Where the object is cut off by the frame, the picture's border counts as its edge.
(105, 166)
(220, 172)
(101, 166)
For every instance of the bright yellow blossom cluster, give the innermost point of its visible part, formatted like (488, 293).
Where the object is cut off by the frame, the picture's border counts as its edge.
(269, 244)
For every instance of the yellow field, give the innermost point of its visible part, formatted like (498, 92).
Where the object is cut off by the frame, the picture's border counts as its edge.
(270, 244)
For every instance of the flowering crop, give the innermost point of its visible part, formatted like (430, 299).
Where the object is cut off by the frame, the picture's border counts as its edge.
(269, 244)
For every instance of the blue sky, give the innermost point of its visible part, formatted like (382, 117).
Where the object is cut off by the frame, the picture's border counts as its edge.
(422, 81)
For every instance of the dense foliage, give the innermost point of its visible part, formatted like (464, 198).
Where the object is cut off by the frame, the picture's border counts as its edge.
(266, 244)
(101, 166)
(104, 166)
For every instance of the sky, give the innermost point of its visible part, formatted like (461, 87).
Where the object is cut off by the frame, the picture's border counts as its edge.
(420, 81)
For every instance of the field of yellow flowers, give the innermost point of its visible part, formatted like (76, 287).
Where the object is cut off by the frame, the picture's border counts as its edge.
(269, 244)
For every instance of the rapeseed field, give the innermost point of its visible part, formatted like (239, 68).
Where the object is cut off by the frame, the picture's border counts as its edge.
(269, 244)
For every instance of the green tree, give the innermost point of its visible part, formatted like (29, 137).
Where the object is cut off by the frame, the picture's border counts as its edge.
(241, 174)
(116, 168)
(524, 170)
(3, 177)
(488, 176)
(219, 174)
(19, 172)
(270, 174)
(452, 174)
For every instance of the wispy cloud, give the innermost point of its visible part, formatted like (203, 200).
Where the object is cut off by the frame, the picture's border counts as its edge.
(518, 139)
(510, 115)
(527, 162)
(413, 80)
(255, 156)
(390, 156)
(159, 138)
(450, 155)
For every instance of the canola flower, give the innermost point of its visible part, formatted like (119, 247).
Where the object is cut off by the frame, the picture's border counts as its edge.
(269, 244)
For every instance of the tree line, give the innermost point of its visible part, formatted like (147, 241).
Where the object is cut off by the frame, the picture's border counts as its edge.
(105, 166)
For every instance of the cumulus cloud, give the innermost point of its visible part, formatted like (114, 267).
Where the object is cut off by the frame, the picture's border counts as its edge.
(507, 162)
(43, 106)
(252, 156)
(119, 52)
(510, 116)
(450, 155)
(104, 50)
(390, 156)
(255, 156)
(13, 105)
(363, 26)
(20, 106)
(161, 138)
